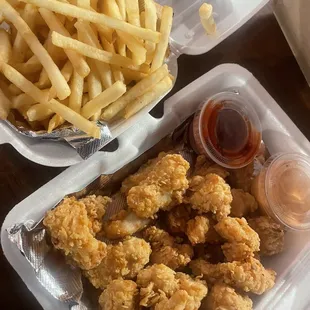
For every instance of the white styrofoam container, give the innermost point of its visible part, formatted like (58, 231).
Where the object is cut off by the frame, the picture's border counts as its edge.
(279, 134)
(187, 37)
(293, 18)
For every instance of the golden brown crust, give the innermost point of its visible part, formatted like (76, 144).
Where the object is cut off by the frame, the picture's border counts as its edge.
(242, 204)
(210, 194)
(123, 260)
(204, 166)
(120, 295)
(165, 249)
(249, 276)
(197, 229)
(270, 233)
(72, 232)
(162, 188)
(177, 218)
(237, 251)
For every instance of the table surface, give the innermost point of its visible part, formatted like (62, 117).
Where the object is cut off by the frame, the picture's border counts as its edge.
(258, 46)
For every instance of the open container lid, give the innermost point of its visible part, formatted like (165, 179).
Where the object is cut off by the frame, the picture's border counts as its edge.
(187, 37)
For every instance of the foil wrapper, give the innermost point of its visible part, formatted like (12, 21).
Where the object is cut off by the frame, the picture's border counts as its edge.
(61, 280)
(85, 146)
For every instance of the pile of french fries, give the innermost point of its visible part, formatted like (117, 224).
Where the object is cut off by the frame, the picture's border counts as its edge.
(79, 61)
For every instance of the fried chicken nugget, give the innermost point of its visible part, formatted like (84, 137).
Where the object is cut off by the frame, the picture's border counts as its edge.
(72, 231)
(204, 166)
(162, 188)
(120, 295)
(122, 224)
(123, 260)
(177, 218)
(243, 203)
(249, 276)
(165, 249)
(237, 251)
(224, 297)
(95, 208)
(197, 229)
(210, 194)
(156, 283)
(270, 233)
(237, 230)
(178, 301)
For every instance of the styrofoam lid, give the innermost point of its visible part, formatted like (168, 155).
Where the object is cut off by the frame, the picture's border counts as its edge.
(189, 37)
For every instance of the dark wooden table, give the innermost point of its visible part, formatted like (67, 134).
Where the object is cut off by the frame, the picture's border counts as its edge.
(258, 46)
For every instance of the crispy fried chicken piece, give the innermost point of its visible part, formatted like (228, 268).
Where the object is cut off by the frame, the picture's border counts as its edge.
(204, 166)
(163, 187)
(165, 249)
(122, 224)
(224, 297)
(141, 174)
(243, 203)
(120, 295)
(95, 208)
(270, 233)
(123, 260)
(178, 301)
(196, 289)
(72, 232)
(236, 230)
(249, 276)
(156, 283)
(210, 194)
(242, 178)
(237, 251)
(177, 218)
(197, 229)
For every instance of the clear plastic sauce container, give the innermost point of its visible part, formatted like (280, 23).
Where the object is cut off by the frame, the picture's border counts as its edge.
(282, 190)
(226, 129)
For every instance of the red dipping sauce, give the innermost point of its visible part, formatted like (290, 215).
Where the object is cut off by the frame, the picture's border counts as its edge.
(227, 130)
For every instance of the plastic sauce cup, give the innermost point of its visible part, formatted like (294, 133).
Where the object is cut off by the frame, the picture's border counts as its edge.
(226, 129)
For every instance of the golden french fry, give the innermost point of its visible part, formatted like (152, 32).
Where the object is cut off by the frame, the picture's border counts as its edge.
(151, 95)
(133, 13)
(165, 29)
(83, 3)
(66, 71)
(5, 105)
(142, 19)
(55, 122)
(94, 4)
(89, 37)
(150, 23)
(85, 99)
(27, 68)
(136, 91)
(54, 74)
(6, 47)
(20, 46)
(94, 86)
(39, 112)
(75, 99)
(78, 61)
(92, 52)
(122, 8)
(96, 18)
(135, 46)
(206, 18)
(14, 90)
(69, 115)
(104, 99)
(133, 75)
(55, 52)
(44, 81)
(22, 100)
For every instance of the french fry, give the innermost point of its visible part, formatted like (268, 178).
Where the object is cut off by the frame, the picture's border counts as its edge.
(142, 19)
(75, 99)
(44, 81)
(85, 99)
(150, 23)
(69, 115)
(133, 13)
(6, 47)
(83, 3)
(133, 75)
(27, 68)
(97, 18)
(20, 46)
(94, 4)
(14, 90)
(66, 71)
(104, 99)
(22, 100)
(206, 18)
(122, 8)
(39, 112)
(54, 74)
(136, 91)
(92, 52)
(78, 61)
(89, 37)
(165, 29)
(5, 88)
(138, 50)
(94, 86)
(55, 122)
(154, 93)
(5, 105)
